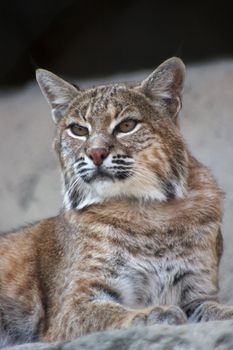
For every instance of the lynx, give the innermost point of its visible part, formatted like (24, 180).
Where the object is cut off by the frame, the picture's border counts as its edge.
(138, 239)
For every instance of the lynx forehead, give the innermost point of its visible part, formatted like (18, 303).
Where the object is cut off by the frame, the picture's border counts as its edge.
(119, 140)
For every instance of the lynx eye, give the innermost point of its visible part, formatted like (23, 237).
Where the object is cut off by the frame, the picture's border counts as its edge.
(126, 126)
(77, 130)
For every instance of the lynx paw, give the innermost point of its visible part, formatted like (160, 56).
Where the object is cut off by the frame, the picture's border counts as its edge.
(159, 314)
(211, 311)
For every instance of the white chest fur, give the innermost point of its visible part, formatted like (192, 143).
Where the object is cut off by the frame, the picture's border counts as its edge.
(143, 283)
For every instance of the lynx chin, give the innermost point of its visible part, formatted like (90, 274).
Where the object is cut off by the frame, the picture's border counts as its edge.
(138, 240)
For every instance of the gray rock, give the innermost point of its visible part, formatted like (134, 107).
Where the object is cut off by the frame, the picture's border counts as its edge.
(216, 335)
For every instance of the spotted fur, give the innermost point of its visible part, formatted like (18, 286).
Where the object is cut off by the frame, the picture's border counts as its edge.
(138, 240)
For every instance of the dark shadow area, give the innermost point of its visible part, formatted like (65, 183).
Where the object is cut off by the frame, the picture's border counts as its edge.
(95, 38)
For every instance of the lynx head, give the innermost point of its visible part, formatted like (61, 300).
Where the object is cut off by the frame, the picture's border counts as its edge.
(119, 140)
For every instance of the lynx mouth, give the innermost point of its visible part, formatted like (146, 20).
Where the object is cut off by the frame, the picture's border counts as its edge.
(98, 175)
(101, 174)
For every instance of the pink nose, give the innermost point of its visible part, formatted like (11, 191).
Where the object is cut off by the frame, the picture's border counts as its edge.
(97, 155)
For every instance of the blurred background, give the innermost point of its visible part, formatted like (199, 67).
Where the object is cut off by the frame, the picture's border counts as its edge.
(95, 38)
(91, 42)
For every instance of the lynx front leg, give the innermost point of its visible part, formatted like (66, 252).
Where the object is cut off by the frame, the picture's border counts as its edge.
(99, 308)
(199, 297)
(19, 321)
(93, 316)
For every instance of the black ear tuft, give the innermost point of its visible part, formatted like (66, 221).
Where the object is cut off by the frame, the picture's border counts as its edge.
(76, 86)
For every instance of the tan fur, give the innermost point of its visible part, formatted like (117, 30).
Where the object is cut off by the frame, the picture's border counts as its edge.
(136, 244)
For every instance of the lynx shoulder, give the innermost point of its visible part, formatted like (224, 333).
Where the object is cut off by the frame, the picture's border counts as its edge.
(138, 239)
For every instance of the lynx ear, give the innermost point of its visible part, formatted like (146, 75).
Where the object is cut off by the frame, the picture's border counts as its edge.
(57, 92)
(165, 86)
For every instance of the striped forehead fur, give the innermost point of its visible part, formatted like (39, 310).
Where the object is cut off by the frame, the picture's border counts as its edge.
(96, 100)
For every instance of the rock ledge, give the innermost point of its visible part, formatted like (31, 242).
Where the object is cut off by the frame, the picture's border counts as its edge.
(216, 335)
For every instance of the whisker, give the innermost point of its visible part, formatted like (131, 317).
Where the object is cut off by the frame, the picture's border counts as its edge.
(79, 160)
(81, 171)
(121, 161)
(73, 185)
(119, 167)
(80, 165)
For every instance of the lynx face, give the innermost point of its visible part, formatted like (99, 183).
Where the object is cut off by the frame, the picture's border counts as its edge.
(119, 140)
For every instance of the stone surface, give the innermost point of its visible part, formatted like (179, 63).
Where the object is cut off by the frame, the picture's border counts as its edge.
(202, 336)
(30, 186)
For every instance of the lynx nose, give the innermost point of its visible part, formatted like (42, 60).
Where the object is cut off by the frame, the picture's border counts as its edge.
(97, 155)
